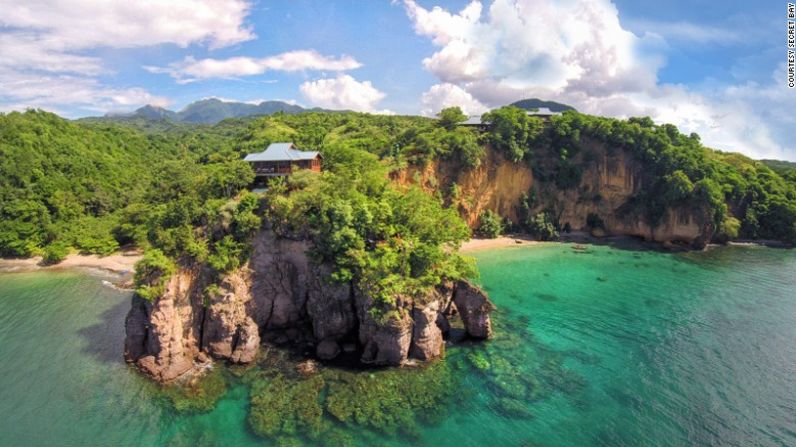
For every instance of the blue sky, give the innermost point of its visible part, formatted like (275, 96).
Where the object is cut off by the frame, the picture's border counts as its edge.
(716, 68)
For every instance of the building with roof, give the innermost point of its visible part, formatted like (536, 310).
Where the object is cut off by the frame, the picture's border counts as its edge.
(475, 121)
(281, 159)
(543, 112)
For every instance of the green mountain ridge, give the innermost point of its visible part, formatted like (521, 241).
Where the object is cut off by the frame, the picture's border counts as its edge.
(536, 103)
(205, 111)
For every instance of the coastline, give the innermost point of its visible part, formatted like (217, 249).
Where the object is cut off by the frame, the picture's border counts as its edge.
(119, 263)
(523, 240)
(476, 244)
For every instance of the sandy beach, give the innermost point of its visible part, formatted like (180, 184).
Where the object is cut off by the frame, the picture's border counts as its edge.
(498, 242)
(121, 262)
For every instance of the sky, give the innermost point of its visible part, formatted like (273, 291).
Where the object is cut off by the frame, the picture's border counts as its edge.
(715, 68)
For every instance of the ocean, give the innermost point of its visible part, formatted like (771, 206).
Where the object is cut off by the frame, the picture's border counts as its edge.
(595, 345)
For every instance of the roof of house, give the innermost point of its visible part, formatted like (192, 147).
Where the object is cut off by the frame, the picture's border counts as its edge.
(472, 120)
(282, 152)
(544, 111)
(475, 120)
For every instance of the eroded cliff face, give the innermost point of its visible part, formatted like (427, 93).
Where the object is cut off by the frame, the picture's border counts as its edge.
(281, 295)
(497, 184)
(610, 179)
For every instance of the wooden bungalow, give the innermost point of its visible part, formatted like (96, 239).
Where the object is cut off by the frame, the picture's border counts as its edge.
(281, 159)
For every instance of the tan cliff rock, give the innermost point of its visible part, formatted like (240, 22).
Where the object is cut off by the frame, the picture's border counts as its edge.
(610, 179)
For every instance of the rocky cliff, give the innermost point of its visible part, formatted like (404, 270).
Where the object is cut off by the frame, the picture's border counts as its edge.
(610, 179)
(282, 296)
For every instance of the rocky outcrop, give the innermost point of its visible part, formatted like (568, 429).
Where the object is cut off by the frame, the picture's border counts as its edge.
(474, 308)
(163, 337)
(229, 332)
(427, 337)
(279, 281)
(330, 308)
(385, 339)
(280, 291)
(496, 184)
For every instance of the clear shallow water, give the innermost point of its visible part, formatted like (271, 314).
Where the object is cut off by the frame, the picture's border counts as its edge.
(598, 347)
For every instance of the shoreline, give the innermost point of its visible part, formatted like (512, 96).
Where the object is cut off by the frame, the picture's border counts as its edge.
(121, 263)
(476, 243)
(579, 237)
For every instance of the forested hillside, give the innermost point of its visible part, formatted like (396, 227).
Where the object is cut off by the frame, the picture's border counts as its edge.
(96, 186)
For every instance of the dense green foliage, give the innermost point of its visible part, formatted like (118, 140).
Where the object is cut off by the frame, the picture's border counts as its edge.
(151, 273)
(536, 103)
(678, 171)
(490, 225)
(541, 227)
(97, 186)
(512, 131)
(392, 241)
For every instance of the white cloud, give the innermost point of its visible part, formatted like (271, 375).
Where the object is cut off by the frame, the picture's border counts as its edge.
(690, 32)
(53, 92)
(27, 51)
(578, 52)
(343, 92)
(190, 69)
(124, 24)
(448, 95)
(43, 45)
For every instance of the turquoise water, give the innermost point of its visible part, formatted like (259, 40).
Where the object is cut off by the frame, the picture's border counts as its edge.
(602, 346)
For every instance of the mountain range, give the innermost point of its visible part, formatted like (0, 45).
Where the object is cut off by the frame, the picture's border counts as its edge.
(213, 110)
(209, 111)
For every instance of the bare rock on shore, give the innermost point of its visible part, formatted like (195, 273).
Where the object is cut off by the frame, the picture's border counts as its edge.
(330, 305)
(430, 324)
(427, 342)
(280, 291)
(162, 336)
(280, 271)
(385, 340)
(327, 349)
(474, 308)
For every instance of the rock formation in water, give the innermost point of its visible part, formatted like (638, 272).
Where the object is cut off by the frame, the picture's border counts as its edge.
(280, 291)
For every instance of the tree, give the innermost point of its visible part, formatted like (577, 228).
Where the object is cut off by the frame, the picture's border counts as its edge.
(541, 227)
(450, 117)
(513, 131)
(490, 225)
(151, 274)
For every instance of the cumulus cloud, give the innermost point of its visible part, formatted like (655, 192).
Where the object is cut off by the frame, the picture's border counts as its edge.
(21, 50)
(445, 95)
(343, 92)
(43, 44)
(190, 69)
(579, 53)
(22, 91)
(125, 24)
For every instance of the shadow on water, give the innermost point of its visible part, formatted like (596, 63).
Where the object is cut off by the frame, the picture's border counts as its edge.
(104, 340)
(547, 297)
